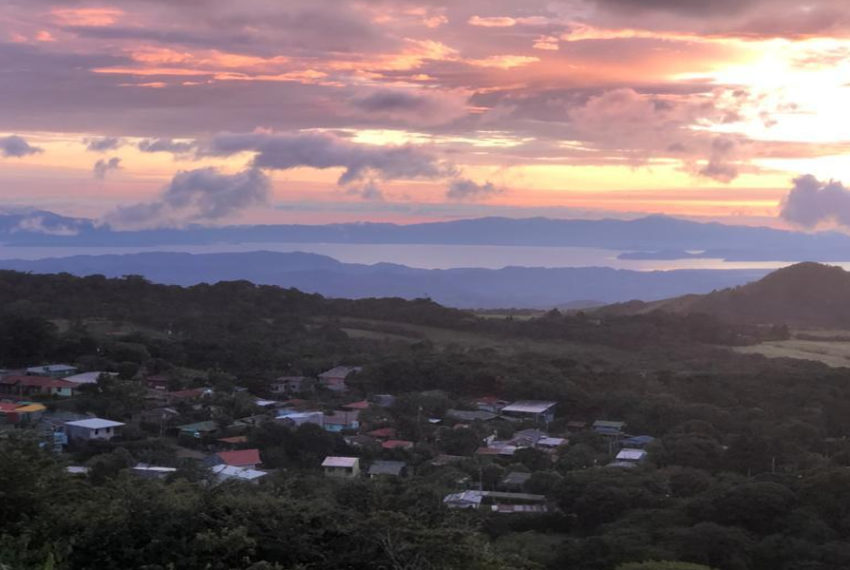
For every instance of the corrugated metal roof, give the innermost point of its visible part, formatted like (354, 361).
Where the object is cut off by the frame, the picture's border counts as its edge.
(332, 461)
(529, 407)
(94, 423)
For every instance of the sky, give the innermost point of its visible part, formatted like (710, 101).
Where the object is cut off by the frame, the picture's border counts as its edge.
(156, 113)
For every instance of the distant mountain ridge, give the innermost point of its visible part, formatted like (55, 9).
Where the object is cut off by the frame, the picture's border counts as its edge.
(520, 287)
(652, 237)
(805, 294)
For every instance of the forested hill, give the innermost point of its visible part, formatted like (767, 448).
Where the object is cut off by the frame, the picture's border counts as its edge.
(805, 294)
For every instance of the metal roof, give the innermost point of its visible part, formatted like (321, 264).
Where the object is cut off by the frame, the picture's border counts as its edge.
(631, 455)
(241, 473)
(94, 423)
(529, 407)
(332, 461)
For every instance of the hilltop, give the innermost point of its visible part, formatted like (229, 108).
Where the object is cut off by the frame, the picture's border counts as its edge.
(803, 295)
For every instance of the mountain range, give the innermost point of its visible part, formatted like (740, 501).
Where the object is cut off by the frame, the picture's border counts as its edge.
(652, 237)
(526, 287)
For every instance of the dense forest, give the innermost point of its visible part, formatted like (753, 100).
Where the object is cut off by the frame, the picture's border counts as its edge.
(749, 469)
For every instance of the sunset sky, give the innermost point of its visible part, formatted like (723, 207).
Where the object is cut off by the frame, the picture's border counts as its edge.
(154, 113)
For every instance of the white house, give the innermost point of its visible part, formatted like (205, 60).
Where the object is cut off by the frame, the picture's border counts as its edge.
(91, 429)
(345, 467)
(535, 410)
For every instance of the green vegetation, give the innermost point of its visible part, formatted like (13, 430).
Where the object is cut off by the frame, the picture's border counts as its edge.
(749, 468)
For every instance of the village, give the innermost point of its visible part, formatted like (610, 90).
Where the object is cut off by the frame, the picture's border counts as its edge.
(493, 455)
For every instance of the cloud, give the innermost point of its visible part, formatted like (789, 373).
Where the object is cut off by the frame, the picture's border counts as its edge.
(368, 191)
(166, 145)
(721, 165)
(413, 107)
(812, 202)
(16, 147)
(103, 144)
(201, 195)
(322, 150)
(103, 166)
(492, 21)
(466, 189)
(38, 224)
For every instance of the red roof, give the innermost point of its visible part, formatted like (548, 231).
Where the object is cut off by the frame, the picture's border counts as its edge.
(8, 407)
(37, 381)
(361, 405)
(383, 433)
(241, 457)
(234, 439)
(190, 393)
(397, 444)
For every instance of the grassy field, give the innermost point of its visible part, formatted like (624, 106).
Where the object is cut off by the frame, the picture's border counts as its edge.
(404, 332)
(832, 352)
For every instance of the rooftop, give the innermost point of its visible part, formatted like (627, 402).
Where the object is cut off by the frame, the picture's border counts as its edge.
(387, 468)
(340, 371)
(94, 423)
(332, 461)
(37, 381)
(240, 457)
(529, 407)
(240, 473)
(631, 455)
(51, 368)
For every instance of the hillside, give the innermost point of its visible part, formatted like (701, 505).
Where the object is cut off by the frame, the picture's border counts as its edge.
(802, 295)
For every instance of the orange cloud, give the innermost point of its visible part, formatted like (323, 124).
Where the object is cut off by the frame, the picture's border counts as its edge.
(86, 16)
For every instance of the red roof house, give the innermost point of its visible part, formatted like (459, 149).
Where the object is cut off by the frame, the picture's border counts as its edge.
(397, 444)
(240, 458)
(29, 385)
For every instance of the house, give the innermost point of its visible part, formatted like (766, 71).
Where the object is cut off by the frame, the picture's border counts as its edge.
(159, 416)
(335, 378)
(290, 385)
(638, 441)
(87, 377)
(533, 410)
(301, 418)
(157, 382)
(190, 394)
(359, 406)
(383, 433)
(631, 455)
(387, 468)
(224, 473)
(341, 421)
(20, 413)
(343, 467)
(497, 502)
(538, 439)
(443, 460)
(490, 404)
(397, 444)
(498, 449)
(146, 471)
(384, 400)
(37, 385)
(609, 428)
(249, 458)
(470, 415)
(514, 481)
(233, 441)
(51, 370)
(576, 425)
(92, 429)
(198, 429)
